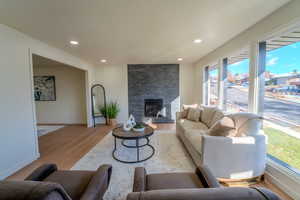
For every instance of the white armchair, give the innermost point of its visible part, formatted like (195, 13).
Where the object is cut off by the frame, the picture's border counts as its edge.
(234, 157)
(240, 157)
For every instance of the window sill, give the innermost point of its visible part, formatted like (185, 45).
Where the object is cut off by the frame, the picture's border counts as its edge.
(284, 178)
(284, 166)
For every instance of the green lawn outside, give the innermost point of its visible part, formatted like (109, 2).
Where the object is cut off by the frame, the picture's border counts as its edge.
(283, 146)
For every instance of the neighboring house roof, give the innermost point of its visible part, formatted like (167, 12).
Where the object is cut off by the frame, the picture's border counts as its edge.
(286, 75)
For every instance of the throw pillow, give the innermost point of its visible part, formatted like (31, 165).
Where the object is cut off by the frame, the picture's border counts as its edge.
(185, 109)
(194, 114)
(208, 114)
(216, 117)
(184, 113)
(223, 127)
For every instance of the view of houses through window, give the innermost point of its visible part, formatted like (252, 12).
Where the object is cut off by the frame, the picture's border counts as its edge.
(281, 100)
(213, 85)
(237, 86)
(282, 103)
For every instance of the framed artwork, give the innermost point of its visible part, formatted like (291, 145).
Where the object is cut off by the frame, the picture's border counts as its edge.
(44, 88)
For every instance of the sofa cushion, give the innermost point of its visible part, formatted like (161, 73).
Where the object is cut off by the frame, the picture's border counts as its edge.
(188, 124)
(246, 124)
(74, 182)
(207, 114)
(194, 114)
(173, 181)
(195, 138)
(193, 132)
(223, 127)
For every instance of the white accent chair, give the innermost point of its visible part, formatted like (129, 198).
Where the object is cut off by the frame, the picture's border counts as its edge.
(240, 157)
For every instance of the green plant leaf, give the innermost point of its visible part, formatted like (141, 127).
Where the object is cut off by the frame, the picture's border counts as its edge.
(112, 110)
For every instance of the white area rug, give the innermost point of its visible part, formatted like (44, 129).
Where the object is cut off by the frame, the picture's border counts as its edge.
(43, 130)
(170, 156)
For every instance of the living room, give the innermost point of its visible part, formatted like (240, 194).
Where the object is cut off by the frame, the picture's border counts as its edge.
(168, 86)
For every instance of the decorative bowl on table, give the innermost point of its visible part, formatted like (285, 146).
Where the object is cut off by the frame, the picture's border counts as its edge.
(139, 128)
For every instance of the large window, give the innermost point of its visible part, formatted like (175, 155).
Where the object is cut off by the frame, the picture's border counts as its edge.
(276, 92)
(237, 86)
(282, 102)
(213, 85)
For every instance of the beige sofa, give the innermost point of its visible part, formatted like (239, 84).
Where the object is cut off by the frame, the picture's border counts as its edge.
(240, 157)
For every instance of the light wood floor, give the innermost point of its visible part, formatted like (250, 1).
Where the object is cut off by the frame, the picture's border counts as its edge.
(67, 145)
(64, 147)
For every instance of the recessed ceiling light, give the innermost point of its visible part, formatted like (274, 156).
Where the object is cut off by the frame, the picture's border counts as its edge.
(179, 59)
(197, 40)
(103, 61)
(74, 42)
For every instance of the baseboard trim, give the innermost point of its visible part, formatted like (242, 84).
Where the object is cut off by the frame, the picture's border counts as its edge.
(17, 167)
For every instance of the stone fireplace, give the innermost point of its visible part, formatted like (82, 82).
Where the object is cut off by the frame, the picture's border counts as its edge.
(153, 92)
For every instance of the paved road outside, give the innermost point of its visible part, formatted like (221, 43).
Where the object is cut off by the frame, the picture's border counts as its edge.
(281, 112)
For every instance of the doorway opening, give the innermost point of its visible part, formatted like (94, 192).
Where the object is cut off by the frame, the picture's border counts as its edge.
(59, 95)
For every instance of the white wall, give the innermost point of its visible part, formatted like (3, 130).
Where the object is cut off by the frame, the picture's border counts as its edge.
(187, 84)
(18, 139)
(281, 19)
(70, 104)
(115, 80)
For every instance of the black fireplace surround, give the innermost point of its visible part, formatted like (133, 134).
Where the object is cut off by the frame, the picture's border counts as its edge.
(153, 89)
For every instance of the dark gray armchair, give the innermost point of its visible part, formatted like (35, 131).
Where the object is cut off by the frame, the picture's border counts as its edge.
(49, 183)
(201, 185)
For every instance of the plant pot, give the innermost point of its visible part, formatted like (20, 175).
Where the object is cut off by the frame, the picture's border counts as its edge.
(112, 122)
(139, 129)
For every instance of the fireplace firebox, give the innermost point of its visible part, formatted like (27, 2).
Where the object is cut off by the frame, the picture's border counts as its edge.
(153, 107)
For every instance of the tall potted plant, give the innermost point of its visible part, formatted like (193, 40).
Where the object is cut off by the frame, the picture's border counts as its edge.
(111, 112)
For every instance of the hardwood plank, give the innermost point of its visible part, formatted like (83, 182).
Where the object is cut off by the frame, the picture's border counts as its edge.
(164, 126)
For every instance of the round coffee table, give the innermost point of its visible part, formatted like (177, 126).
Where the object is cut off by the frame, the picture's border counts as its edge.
(119, 133)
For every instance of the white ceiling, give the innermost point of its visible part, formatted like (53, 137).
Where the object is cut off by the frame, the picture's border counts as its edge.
(135, 31)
